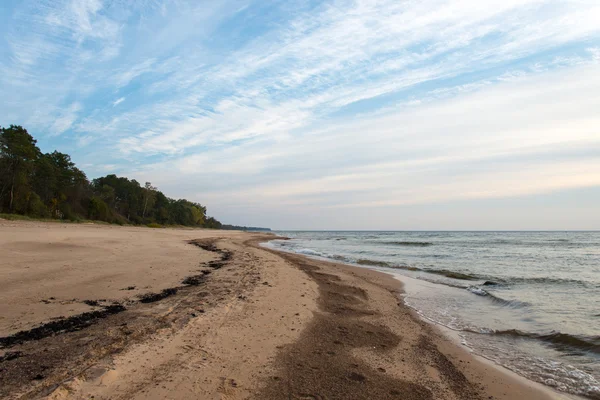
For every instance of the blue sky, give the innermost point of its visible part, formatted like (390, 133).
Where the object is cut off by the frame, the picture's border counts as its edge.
(384, 114)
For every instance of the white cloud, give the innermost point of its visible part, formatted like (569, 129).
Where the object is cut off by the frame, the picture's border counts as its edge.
(85, 20)
(534, 135)
(313, 64)
(66, 118)
(118, 101)
(349, 52)
(123, 78)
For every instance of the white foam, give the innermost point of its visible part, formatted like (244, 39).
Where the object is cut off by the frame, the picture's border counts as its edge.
(478, 291)
(309, 252)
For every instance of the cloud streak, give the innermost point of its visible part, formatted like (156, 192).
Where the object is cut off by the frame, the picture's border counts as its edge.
(118, 101)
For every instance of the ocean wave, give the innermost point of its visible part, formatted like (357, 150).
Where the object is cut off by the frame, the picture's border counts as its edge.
(554, 243)
(549, 281)
(524, 280)
(315, 253)
(477, 290)
(453, 274)
(374, 263)
(310, 252)
(443, 272)
(339, 258)
(409, 243)
(491, 283)
(498, 300)
(405, 267)
(490, 280)
(558, 340)
(487, 280)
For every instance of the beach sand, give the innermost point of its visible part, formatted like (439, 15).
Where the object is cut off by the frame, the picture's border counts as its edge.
(108, 312)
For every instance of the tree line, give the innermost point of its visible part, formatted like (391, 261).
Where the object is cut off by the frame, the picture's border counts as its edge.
(245, 228)
(49, 185)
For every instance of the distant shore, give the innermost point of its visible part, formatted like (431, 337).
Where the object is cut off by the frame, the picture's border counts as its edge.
(123, 312)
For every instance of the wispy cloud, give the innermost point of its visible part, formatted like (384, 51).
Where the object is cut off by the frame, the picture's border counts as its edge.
(123, 78)
(353, 52)
(66, 118)
(521, 138)
(118, 101)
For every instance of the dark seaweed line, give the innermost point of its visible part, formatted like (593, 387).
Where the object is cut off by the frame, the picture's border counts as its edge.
(81, 321)
(216, 264)
(193, 280)
(152, 297)
(71, 324)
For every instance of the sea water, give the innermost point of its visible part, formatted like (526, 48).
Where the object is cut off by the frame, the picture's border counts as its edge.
(530, 301)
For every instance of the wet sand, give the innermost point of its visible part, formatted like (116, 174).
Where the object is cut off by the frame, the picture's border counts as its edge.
(109, 312)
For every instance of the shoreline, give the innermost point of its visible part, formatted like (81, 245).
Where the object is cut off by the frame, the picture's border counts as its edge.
(452, 335)
(499, 382)
(449, 333)
(252, 323)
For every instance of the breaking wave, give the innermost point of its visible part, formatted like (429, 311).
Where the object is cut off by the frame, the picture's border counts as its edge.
(498, 300)
(374, 263)
(558, 340)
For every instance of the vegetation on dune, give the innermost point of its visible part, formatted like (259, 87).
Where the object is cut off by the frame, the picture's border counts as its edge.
(50, 186)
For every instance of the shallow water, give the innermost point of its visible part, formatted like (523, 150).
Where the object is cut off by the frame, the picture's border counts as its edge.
(530, 301)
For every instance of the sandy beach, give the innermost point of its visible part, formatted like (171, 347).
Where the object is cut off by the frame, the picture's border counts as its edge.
(109, 312)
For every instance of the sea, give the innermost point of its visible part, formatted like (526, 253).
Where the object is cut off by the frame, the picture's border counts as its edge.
(529, 301)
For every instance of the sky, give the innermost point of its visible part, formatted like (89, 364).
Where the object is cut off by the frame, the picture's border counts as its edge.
(367, 114)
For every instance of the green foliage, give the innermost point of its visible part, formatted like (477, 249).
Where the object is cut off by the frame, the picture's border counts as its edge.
(18, 152)
(67, 212)
(213, 223)
(51, 186)
(17, 217)
(36, 206)
(245, 228)
(97, 209)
